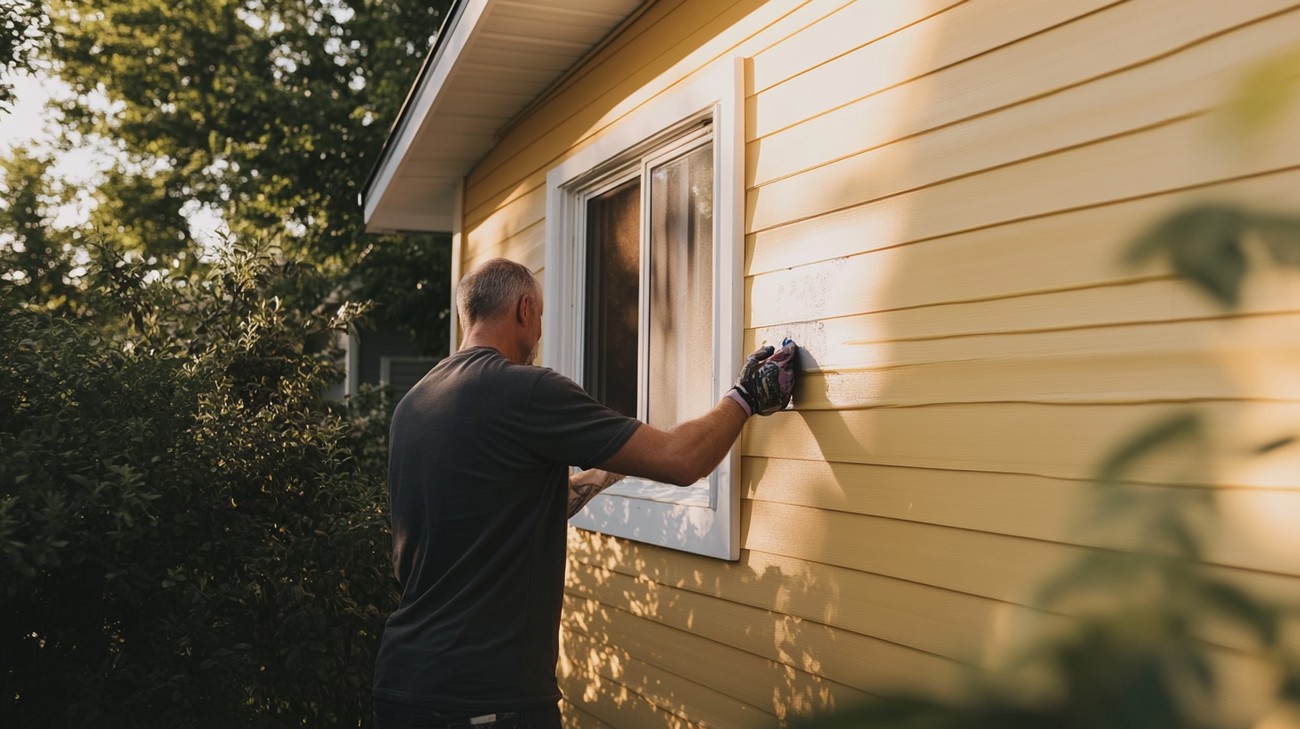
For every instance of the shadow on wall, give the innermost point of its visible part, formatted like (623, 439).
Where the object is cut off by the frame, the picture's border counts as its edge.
(738, 660)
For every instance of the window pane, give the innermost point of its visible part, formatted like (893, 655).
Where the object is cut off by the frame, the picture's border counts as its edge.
(681, 288)
(613, 296)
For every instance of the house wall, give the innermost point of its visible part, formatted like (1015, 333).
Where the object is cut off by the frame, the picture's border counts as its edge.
(409, 365)
(940, 198)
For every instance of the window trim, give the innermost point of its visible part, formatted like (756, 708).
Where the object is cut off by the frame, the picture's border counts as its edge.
(702, 526)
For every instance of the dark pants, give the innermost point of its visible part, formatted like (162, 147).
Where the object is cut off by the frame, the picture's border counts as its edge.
(390, 715)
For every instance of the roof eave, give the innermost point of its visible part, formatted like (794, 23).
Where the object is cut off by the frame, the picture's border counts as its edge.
(490, 64)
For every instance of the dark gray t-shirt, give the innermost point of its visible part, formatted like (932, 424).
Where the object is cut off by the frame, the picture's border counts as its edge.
(478, 477)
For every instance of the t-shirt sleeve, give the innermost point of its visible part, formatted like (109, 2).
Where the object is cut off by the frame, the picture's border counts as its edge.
(568, 426)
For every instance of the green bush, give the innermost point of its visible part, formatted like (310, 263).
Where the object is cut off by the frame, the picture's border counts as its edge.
(189, 535)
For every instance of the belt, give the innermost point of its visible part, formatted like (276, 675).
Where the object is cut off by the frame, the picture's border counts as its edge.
(483, 721)
(499, 720)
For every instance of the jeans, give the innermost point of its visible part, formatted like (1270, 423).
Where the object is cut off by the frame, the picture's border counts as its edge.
(392, 715)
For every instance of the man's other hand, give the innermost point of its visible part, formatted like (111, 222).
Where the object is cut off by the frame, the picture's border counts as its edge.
(766, 381)
(584, 485)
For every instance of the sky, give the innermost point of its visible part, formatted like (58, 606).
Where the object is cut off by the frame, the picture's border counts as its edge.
(24, 120)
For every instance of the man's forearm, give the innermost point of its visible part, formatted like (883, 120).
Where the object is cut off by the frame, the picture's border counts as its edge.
(585, 485)
(684, 454)
(703, 442)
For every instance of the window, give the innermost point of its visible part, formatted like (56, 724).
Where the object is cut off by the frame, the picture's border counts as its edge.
(652, 274)
(643, 285)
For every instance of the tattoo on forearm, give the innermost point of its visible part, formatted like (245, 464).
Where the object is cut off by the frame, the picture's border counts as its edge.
(580, 494)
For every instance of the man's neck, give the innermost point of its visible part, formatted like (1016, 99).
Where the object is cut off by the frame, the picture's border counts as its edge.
(489, 336)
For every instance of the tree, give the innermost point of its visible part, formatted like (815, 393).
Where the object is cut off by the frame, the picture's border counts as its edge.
(189, 534)
(269, 111)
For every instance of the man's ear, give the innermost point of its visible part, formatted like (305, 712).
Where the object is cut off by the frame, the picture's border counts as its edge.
(523, 308)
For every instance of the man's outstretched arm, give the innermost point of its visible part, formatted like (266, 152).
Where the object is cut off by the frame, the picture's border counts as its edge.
(684, 454)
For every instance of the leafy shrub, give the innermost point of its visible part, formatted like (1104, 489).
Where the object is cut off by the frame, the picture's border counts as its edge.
(189, 535)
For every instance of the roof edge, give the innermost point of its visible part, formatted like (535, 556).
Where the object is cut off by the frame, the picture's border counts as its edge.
(445, 31)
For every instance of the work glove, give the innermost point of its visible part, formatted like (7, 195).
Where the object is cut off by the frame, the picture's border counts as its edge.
(766, 379)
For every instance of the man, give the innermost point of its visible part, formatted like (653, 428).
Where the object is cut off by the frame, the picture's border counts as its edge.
(479, 462)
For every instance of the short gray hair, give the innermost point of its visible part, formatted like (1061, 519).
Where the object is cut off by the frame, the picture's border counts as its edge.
(492, 288)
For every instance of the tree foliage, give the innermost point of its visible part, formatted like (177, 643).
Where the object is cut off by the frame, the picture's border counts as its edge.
(189, 534)
(269, 112)
(36, 259)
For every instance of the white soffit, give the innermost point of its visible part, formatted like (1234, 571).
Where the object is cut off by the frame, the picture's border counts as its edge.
(492, 59)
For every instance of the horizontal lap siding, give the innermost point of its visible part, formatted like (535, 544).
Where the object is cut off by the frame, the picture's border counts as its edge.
(1020, 505)
(949, 246)
(940, 198)
(803, 651)
(692, 703)
(580, 717)
(1056, 72)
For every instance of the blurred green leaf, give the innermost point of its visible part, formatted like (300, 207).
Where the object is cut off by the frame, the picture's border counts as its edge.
(1205, 244)
(1280, 234)
(1179, 427)
(1174, 527)
(21, 27)
(1202, 244)
(1274, 445)
(1097, 571)
(1248, 611)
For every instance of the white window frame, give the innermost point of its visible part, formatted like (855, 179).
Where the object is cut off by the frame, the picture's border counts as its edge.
(703, 521)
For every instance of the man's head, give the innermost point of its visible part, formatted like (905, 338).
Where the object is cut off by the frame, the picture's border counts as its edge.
(502, 293)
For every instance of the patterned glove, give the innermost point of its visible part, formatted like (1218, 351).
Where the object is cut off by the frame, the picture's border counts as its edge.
(766, 380)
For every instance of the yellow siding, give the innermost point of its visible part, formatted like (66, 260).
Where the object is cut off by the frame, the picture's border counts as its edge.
(804, 651)
(940, 195)
(692, 703)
